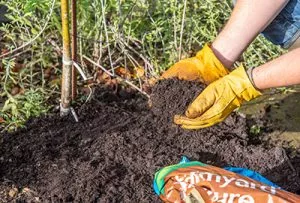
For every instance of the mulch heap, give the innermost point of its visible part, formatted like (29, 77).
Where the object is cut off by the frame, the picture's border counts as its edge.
(112, 153)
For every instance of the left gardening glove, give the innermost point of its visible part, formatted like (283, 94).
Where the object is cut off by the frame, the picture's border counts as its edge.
(218, 100)
(205, 67)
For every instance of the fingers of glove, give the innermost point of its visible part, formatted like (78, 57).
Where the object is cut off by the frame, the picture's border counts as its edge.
(183, 120)
(211, 117)
(170, 73)
(196, 127)
(187, 69)
(191, 124)
(202, 103)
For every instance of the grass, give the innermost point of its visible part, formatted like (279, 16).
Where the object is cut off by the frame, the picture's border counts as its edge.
(115, 33)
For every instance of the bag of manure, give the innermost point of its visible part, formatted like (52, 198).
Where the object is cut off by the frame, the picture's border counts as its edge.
(196, 182)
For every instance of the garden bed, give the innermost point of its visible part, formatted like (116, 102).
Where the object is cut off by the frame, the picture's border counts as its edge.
(112, 153)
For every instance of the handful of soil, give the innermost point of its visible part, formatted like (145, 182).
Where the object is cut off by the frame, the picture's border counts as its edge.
(112, 154)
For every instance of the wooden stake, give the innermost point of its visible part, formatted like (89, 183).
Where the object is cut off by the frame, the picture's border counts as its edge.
(67, 62)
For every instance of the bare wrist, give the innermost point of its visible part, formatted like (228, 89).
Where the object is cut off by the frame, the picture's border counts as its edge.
(225, 61)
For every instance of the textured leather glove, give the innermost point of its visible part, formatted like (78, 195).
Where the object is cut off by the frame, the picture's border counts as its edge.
(218, 100)
(204, 67)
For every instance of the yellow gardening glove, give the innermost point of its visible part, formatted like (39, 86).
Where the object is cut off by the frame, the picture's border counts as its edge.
(204, 67)
(218, 100)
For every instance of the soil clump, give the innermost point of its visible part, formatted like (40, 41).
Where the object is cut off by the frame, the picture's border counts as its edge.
(112, 153)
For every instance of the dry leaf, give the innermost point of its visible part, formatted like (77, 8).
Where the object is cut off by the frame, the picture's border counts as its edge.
(13, 192)
(15, 90)
(139, 72)
(18, 67)
(55, 82)
(152, 81)
(2, 120)
(103, 77)
(123, 72)
(4, 51)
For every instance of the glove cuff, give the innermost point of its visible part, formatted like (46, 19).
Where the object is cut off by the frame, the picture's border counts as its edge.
(214, 69)
(208, 57)
(241, 84)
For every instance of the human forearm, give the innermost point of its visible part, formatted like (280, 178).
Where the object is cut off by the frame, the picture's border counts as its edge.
(248, 19)
(283, 71)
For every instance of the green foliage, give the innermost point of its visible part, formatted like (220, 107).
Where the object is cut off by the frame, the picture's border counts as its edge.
(17, 110)
(27, 102)
(157, 26)
(24, 74)
(255, 130)
(128, 33)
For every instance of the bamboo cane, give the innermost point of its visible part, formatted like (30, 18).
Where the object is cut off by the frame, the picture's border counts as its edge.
(66, 89)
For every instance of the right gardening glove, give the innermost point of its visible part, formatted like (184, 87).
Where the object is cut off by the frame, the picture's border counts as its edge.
(218, 100)
(205, 67)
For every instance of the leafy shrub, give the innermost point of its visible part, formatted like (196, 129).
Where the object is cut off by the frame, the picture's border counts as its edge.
(151, 34)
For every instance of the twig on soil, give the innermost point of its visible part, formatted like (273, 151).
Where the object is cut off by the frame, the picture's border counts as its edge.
(289, 162)
(122, 79)
(119, 126)
(90, 95)
(37, 36)
(74, 114)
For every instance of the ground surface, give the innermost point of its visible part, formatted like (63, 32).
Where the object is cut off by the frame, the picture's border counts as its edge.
(283, 110)
(111, 155)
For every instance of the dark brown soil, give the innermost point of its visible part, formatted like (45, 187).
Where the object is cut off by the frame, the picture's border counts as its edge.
(112, 153)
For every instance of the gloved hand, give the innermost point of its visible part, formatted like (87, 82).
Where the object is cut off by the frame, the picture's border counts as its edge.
(204, 67)
(218, 100)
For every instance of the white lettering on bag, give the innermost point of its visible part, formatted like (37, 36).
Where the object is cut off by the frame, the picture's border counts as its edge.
(224, 198)
(267, 189)
(270, 199)
(227, 181)
(242, 183)
(246, 199)
(189, 181)
(229, 197)
(232, 197)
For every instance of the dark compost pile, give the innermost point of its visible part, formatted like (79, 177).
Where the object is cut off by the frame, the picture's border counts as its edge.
(112, 153)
